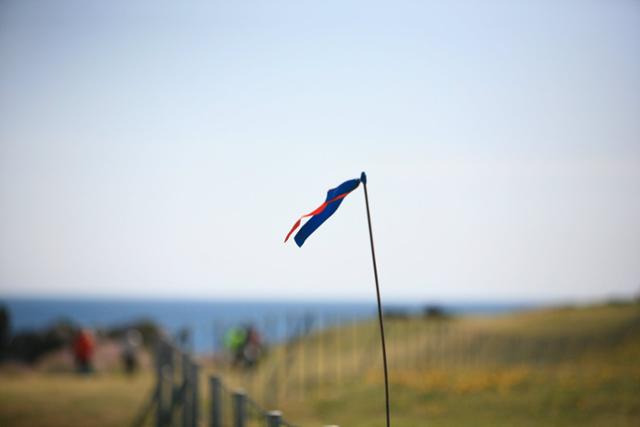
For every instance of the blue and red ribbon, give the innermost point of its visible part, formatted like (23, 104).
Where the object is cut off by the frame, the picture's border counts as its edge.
(322, 212)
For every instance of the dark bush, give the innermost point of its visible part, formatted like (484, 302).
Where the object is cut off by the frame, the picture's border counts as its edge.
(29, 346)
(434, 312)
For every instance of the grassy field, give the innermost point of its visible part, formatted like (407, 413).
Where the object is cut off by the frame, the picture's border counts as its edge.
(42, 399)
(564, 366)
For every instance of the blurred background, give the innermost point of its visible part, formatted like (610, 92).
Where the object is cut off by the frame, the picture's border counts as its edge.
(153, 155)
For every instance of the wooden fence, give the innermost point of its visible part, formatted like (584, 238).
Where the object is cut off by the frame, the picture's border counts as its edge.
(175, 399)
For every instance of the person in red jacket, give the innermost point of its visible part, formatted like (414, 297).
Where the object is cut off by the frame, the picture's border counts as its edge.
(83, 346)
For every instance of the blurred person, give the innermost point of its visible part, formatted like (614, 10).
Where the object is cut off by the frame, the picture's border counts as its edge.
(252, 347)
(83, 348)
(234, 342)
(184, 339)
(244, 345)
(130, 345)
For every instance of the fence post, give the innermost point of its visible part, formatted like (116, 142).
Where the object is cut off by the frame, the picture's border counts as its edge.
(194, 393)
(216, 402)
(164, 372)
(239, 408)
(187, 390)
(159, 383)
(274, 418)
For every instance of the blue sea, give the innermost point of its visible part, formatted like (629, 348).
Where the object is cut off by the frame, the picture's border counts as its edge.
(208, 320)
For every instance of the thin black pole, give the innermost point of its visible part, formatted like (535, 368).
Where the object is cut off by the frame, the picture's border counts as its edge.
(363, 179)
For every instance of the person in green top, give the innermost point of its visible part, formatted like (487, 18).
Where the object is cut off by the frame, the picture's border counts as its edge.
(234, 341)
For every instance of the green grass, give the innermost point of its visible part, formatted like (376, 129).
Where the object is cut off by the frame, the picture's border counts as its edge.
(39, 399)
(556, 367)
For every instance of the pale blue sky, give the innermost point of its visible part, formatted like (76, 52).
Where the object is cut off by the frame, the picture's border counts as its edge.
(161, 149)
